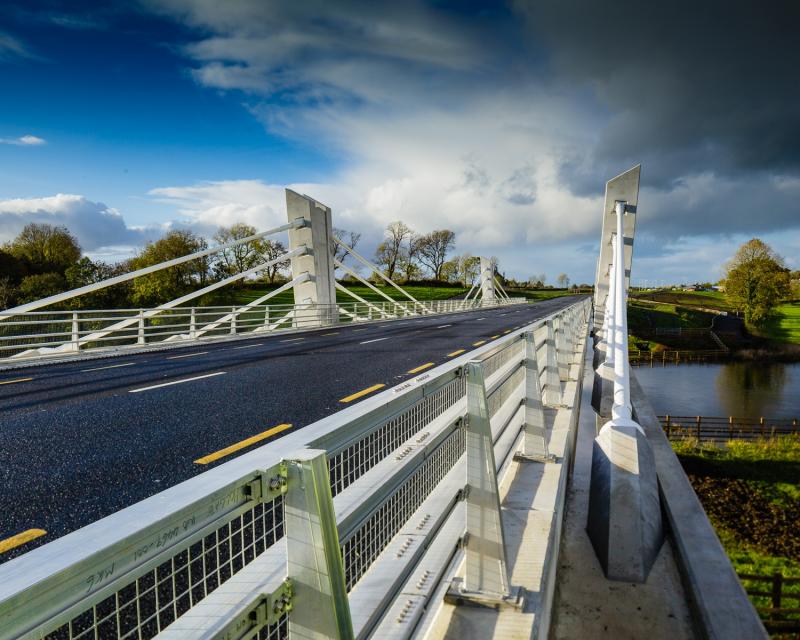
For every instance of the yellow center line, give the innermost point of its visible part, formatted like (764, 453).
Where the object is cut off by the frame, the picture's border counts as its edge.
(478, 343)
(493, 337)
(507, 331)
(455, 353)
(422, 367)
(241, 445)
(363, 392)
(17, 380)
(21, 538)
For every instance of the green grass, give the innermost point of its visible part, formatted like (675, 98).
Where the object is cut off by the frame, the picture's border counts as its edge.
(539, 294)
(245, 295)
(708, 299)
(785, 326)
(751, 493)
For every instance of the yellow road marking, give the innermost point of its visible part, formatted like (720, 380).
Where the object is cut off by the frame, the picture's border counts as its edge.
(507, 331)
(422, 367)
(493, 337)
(17, 380)
(363, 392)
(455, 353)
(21, 538)
(241, 445)
(478, 343)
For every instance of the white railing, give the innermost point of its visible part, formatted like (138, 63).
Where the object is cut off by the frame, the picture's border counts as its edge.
(317, 533)
(38, 333)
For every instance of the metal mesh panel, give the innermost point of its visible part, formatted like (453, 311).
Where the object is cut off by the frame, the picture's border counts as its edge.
(276, 631)
(145, 606)
(354, 461)
(360, 550)
(504, 391)
(495, 362)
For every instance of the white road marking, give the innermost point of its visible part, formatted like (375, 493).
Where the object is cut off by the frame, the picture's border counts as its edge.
(188, 355)
(250, 346)
(293, 340)
(375, 340)
(111, 366)
(444, 326)
(481, 318)
(167, 384)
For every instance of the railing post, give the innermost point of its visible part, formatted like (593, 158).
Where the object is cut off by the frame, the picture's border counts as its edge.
(552, 383)
(76, 331)
(193, 323)
(485, 580)
(314, 558)
(233, 320)
(141, 337)
(534, 443)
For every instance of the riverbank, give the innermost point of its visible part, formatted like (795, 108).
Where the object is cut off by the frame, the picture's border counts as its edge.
(751, 493)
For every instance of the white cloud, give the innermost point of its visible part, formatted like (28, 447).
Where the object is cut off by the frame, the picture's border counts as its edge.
(99, 229)
(27, 140)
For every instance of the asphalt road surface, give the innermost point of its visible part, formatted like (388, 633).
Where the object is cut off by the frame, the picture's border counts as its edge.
(81, 440)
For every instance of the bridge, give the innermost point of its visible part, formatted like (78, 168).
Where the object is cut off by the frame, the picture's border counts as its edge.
(467, 468)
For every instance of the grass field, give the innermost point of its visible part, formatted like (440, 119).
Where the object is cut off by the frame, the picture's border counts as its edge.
(751, 493)
(244, 295)
(785, 326)
(538, 294)
(707, 299)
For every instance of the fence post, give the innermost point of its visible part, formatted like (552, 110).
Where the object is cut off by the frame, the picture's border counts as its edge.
(761, 423)
(534, 443)
(141, 337)
(76, 331)
(777, 585)
(668, 427)
(485, 580)
(698, 429)
(314, 559)
(192, 323)
(730, 427)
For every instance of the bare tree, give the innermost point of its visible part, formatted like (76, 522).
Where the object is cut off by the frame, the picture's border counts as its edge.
(349, 238)
(434, 248)
(409, 258)
(563, 280)
(388, 253)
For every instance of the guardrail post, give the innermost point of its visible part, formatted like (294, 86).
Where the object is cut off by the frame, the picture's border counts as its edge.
(485, 580)
(314, 559)
(534, 443)
(140, 339)
(76, 331)
(562, 347)
(552, 384)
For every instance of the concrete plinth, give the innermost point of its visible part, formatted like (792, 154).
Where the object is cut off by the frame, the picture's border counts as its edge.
(624, 521)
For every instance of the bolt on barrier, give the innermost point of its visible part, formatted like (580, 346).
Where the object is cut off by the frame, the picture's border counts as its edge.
(316, 533)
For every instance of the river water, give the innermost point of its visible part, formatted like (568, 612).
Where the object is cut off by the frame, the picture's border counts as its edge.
(739, 389)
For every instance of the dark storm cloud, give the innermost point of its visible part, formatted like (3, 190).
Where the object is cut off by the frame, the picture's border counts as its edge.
(690, 87)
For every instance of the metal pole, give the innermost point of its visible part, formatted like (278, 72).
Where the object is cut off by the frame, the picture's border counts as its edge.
(76, 333)
(622, 395)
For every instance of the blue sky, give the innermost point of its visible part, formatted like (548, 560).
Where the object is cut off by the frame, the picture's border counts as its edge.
(500, 121)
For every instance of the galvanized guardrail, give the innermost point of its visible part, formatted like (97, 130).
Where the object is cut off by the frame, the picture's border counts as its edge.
(324, 524)
(65, 332)
(719, 430)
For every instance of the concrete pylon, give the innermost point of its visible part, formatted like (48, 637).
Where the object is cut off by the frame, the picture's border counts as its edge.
(488, 292)
(317, 295)
(624, 523)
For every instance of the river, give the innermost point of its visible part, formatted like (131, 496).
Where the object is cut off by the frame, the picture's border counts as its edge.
(739, 389)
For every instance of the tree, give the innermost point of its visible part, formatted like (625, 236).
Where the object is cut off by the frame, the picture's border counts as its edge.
(433, 250)
(8, 292)
(46, 248)
(172, 282)
(85, 272)
(40, 285)
(241, 257)
(408, 262)
(349, 238)
(563, 280)
(756, 280)
(468, 267)
(537, 281)
(271, 249)
(388, 253)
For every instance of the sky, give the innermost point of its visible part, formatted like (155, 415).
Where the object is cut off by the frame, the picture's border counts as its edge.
(500, 121)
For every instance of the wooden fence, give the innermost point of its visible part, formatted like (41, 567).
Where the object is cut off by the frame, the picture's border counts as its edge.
(770, 595)
(665, 357)
(719, 430)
